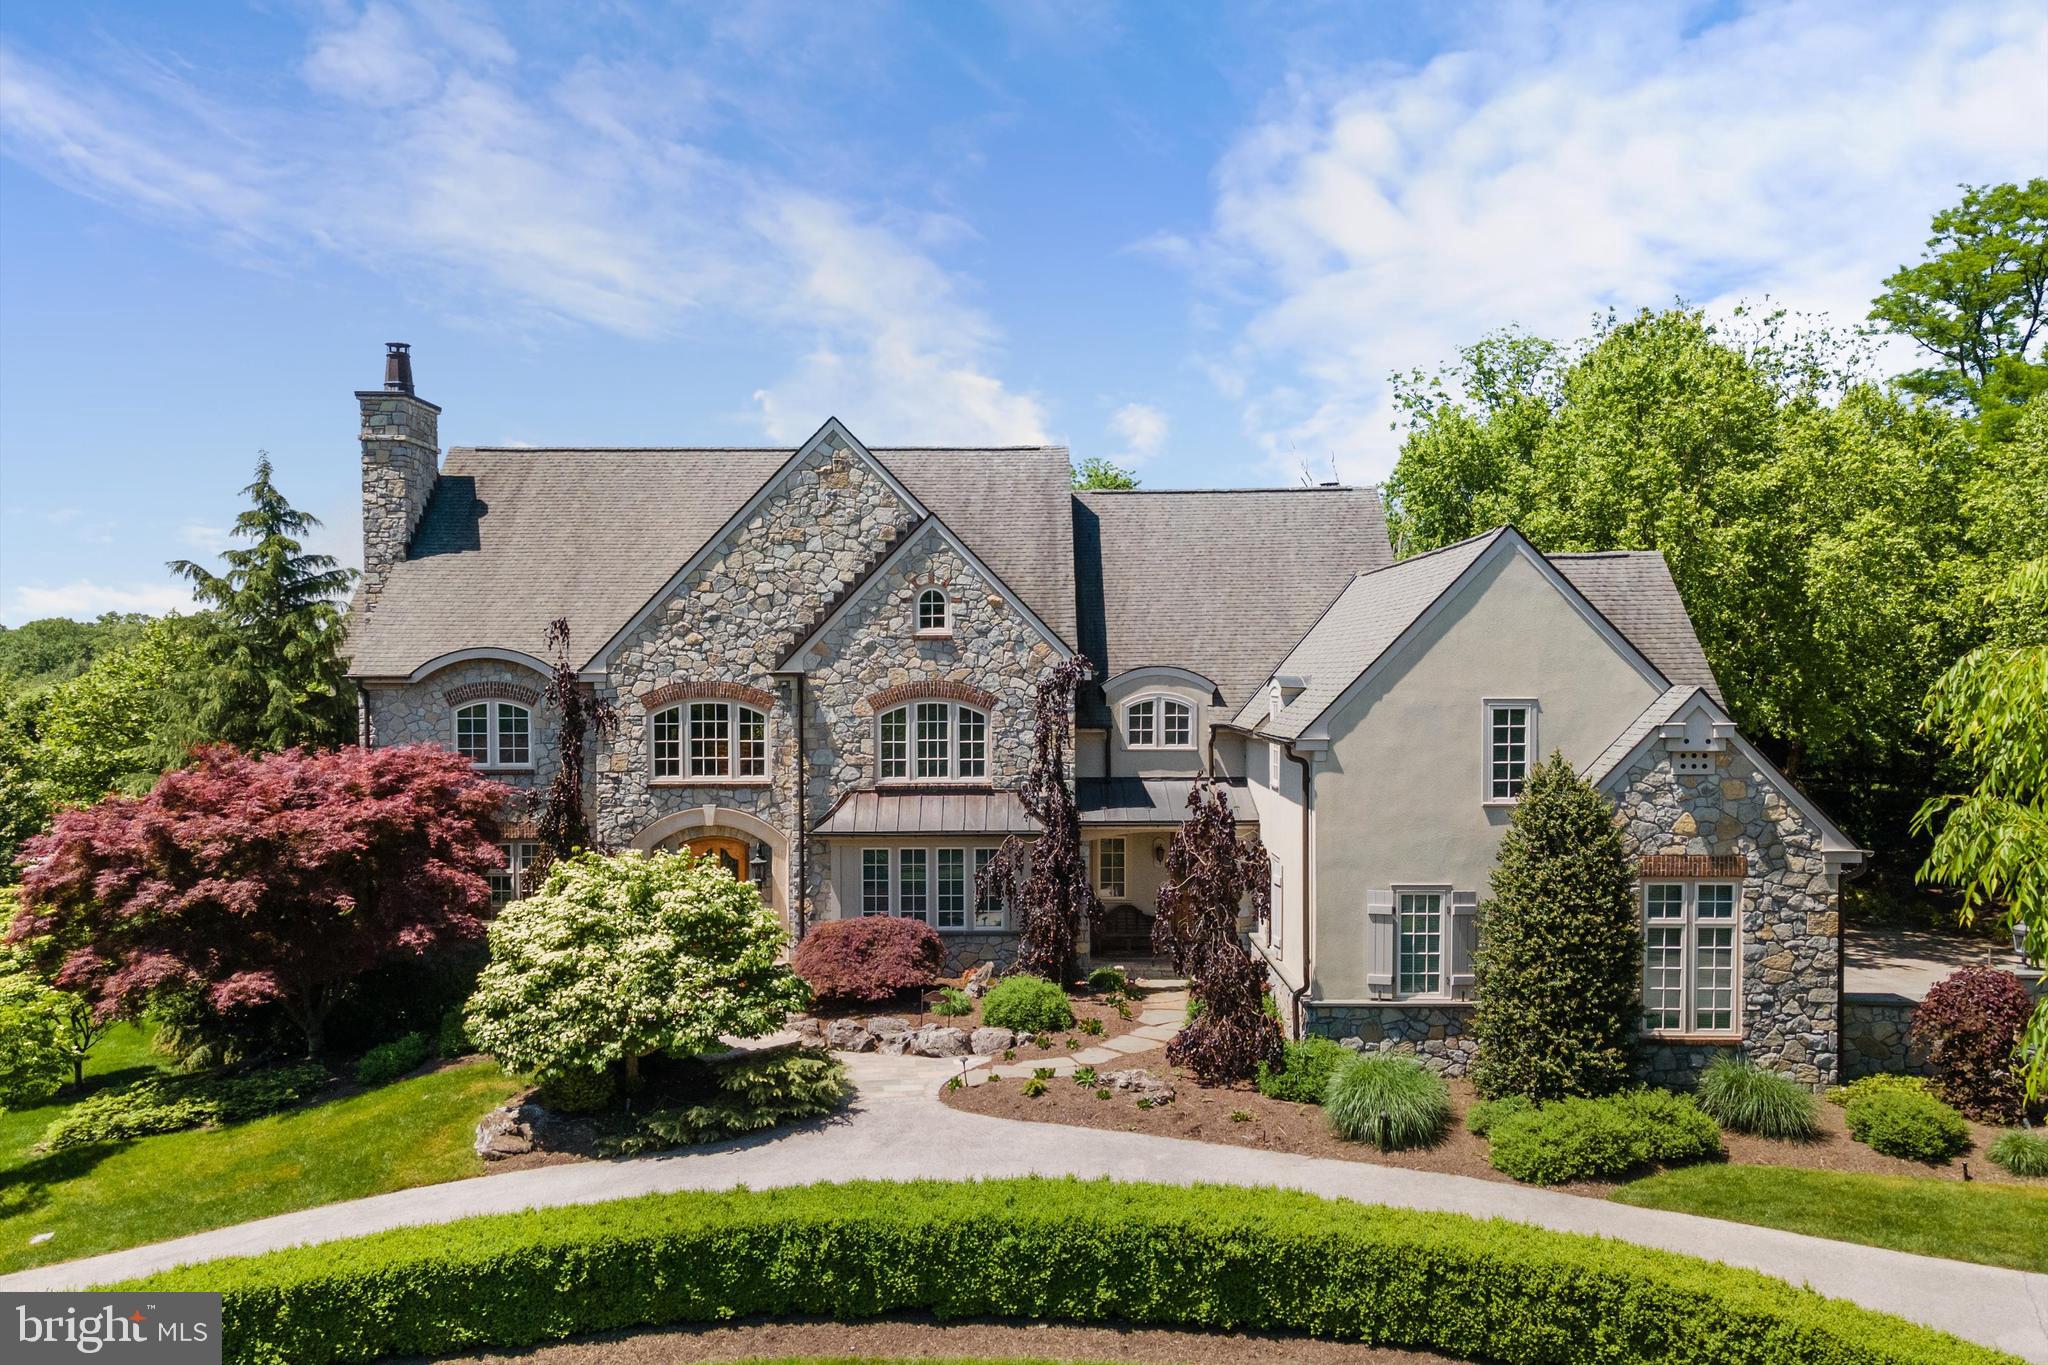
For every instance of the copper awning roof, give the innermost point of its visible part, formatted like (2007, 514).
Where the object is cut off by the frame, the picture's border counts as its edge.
(927, 810)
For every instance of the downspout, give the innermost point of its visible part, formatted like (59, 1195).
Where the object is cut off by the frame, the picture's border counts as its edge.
(1308, 882)
(801, 898)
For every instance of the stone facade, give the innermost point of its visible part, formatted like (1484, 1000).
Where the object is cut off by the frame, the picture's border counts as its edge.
(401, 457)
(424, 713)
(1434, 1035)
(1877, 1036)
(1790, 959)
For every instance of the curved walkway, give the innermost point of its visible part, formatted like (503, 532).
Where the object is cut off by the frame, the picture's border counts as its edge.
(896, 1129)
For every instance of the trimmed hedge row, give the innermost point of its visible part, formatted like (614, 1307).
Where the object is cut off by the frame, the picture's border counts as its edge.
(1065, 1250)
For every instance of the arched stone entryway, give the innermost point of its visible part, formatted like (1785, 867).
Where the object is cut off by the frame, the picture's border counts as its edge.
(748, 844)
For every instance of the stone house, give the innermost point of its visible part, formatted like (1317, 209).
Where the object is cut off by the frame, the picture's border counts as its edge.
(824, 660)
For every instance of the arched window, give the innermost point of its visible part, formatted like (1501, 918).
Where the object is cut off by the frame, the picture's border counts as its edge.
(931, 741)
(931, 612)
(709, 740)
(495, 734)
(1159, 723)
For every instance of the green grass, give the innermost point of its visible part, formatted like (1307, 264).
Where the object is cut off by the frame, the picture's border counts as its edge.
(95, 1199)
(1992, 1224)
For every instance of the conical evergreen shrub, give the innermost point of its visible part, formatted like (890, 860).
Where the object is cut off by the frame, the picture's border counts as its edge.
(1560, 951)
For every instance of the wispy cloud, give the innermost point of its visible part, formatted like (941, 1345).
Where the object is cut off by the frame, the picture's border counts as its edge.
(83, 599)
(1142, 429)
(1583, 157)
(541, 194)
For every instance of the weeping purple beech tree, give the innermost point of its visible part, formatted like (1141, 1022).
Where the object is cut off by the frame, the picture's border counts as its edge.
(564, 824)
(1045, 877)
(1210, 875)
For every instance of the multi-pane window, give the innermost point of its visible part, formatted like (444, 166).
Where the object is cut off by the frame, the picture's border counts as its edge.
(1507, 750)
(1276, 916)
(931, 610)
(912, 889)
(990, 912)
(710, 739)
(931, 741)
(1159, 723)
(874, 881)
(949, 888)
(1689, 932)
(1418, 942)
(511, 882)
(495, 734)
(1109, 867)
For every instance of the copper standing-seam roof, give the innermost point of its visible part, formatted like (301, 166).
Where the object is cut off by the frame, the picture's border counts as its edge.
(1149, 800)
(926, 811)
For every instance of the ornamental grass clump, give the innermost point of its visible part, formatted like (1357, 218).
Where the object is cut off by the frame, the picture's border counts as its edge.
(1027, 1004)
(1391, 1102)
(1304, 1071)
(1743, 1096)
(2022, 1152)
(953, 1003)
(1912, 1127)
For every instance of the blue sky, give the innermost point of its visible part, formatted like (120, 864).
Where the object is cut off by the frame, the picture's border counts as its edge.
(1192, 238)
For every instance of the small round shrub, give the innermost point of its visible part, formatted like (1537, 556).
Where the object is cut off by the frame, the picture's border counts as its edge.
(1969, 1023)
(577, 1092)
(2022, 1152)
(1743, 1096)
(1392, 1102)
(1304, 1071)
(452, 1039)
(953, 1002)
(1028, 1004)
(389, 1061)
(1584, 1139)
(870, 959)
(1673, 1128)
(1103, 980)
(1873, 1083)
(1481, 1117)
(1912, 1127)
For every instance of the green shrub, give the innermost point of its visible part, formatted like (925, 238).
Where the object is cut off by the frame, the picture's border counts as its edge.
(2021, 1152)
(1206, 1259)
(1749, 1099)
(453, 1039)
(1909, 1125)
(1481, 1117)
(953, 1002)
(389, 1061)
(1034, 1087)
(1304, 1072)
(1392, 1102)
(1582, 1139)
(1872, 1084)
(1104, 980)
(577, 1092)
(1028, 1004)
(755, 1091)
(171, 1104)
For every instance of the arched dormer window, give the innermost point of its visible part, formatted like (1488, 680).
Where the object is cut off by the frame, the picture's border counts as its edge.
(933, 616)
(1158, 722)
(931, 741)
(495, 734)
(709, 740)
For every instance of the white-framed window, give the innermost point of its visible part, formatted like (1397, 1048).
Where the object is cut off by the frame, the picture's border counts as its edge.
(1109, 867)
(511, 882)
(1690, 935)
(495, 734)
(1159, 723)
(1510, 739)
(935, 885)
(1275, 915)
(949, 888)
(990, 912)
(874, 881)
(913, 884)
(1420, 936)
(709, 739)
(931, 741)
(933, 615)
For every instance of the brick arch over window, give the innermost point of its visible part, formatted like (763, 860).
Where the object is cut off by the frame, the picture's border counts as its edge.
(491, 691)
(757, 697)
(930, 691)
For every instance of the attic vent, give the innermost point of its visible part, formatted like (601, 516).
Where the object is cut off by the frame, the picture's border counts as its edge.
(1691, 762)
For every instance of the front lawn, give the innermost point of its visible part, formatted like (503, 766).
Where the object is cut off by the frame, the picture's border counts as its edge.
(1991, 1223)
(411, 1132)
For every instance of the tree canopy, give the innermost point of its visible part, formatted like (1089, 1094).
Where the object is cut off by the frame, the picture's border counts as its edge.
(1096, 472)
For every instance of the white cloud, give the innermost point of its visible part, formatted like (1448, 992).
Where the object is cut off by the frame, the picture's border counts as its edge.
(1586, 157)
(1142, 429)
(84, 600)
(375, 61)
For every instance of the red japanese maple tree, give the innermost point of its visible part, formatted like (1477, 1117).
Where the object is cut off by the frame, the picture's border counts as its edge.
(263, 878)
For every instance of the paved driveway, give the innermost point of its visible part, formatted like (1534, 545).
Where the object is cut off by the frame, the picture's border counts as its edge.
(896, 1129)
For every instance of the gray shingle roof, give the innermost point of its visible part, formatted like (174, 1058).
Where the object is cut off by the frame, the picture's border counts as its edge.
(926, 812)
(1662, 709)
(1223, 582)
(1150, 800)
(514, 538)
(1634, 591)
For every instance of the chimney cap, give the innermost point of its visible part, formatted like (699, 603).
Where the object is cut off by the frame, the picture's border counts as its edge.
(398, 367)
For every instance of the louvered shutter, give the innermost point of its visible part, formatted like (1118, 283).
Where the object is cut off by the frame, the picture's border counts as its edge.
(1464, 941)
(1379, 944)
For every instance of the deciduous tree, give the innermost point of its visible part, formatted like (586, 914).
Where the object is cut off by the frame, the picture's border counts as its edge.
(1212, 875)
(564, 826)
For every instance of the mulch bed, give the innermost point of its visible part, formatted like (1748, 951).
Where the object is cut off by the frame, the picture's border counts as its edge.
(915, 1338)
(1208, 1114)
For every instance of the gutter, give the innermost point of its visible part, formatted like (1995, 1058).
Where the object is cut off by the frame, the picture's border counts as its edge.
(801, 892)
(1308, 881)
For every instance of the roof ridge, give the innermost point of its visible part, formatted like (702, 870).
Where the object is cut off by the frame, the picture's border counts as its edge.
(1441, 549)
(1158, 492)
(751, 450)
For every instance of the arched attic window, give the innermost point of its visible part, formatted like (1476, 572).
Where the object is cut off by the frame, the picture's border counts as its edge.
(495, 734)
(1158, 722)
(933, 613)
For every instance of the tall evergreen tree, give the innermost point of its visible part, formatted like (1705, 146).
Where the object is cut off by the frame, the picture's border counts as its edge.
(270, 673)
(1560, 952)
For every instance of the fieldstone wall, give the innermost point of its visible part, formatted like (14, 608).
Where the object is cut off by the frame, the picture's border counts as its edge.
(1877, 1036)
(401, 459)
(424, 713)
(1433, 1035)
(966, 951)
(1790, 928)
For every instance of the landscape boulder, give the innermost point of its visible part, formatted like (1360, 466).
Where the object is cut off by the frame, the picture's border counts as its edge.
(849, 1035)
(938, 1040)
(989, 1042)
(518, 1128)
(1140, 1083)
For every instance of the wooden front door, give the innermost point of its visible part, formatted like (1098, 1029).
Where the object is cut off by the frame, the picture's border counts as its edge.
(731, 852)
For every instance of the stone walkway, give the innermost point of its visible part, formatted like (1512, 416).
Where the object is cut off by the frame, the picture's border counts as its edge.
(896, 1129)
(1165, 1011)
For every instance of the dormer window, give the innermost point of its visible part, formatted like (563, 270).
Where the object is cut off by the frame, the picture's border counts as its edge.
(933, 617)
(495, 734)
(709, 741)
(1159, 723)
(931, 741)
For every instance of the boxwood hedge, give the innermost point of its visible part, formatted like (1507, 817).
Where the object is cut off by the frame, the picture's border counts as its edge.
(1201, 1257)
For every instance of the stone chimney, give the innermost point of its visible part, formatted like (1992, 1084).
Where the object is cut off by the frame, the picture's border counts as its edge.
(401, 458)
